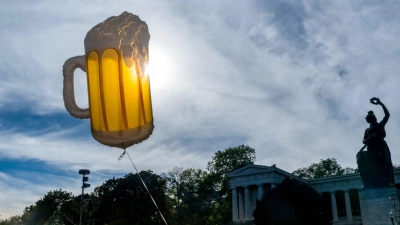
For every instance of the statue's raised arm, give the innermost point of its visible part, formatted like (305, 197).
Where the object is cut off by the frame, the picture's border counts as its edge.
(377, 101)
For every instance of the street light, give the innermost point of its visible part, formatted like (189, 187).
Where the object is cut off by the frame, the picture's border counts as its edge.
(85, 179)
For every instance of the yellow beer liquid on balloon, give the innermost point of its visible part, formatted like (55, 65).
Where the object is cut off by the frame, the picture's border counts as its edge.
(119, 99)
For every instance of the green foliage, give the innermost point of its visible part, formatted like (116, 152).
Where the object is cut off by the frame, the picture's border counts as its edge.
(291, 203)
(14, 220)
(349, 170)
(118, 201)
(56, 207)
(231, 159)
(125, 200)
(223, 162)
(325, 168)
(190, 196)
(195, 192)
(173, 182)
(204, 197)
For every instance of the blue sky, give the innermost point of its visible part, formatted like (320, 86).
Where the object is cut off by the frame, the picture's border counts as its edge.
(290, 78)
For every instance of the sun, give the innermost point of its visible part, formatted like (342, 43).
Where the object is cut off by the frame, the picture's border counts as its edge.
(159, 69)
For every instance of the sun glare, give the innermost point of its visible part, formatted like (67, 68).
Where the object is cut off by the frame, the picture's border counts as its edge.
(159, 69)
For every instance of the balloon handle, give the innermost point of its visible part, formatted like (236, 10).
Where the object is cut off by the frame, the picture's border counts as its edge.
(122, 155)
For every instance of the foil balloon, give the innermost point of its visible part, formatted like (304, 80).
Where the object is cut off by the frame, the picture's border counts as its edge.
(116, 55)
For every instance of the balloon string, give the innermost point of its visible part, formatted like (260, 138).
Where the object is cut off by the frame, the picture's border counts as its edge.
(144, 185)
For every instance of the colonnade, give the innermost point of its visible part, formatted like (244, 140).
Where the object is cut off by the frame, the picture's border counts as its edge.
(244, 202)
(348, 206)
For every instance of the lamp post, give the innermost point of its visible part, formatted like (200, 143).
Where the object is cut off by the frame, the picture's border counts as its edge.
(84, 172)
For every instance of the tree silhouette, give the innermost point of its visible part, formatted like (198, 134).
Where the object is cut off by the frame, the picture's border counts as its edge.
(325, 168)
(125, 200)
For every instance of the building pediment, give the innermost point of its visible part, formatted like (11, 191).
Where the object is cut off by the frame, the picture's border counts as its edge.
(251, 169)
(256, 174)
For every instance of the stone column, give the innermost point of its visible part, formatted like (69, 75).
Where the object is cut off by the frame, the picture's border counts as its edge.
(334, 207)
(247, 208)
(260, 191)
(348, 206)
(241, 205)
(235, 215)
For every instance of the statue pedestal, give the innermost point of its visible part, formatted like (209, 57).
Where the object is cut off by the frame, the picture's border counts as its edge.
(375, 205)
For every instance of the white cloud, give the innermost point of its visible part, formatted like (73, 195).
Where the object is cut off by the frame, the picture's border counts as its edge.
(19, 193)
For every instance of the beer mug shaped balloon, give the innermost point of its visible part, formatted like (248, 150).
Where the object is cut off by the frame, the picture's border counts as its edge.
(116, 55)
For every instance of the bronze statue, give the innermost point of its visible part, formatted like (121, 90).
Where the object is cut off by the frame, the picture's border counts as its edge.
(375, 164)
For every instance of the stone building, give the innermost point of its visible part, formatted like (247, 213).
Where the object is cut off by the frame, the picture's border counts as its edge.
(252, 181)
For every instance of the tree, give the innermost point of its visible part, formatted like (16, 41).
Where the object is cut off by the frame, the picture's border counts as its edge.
(204, 196)
(325, 168)
(349, 170)
(231, 159)
(117, 201)
(223, 162)
(173, 181)
(190, 196)
(55, 207)
(196, 192)
(14, 220)
(125, 201)
(190, 193)
(291, 203)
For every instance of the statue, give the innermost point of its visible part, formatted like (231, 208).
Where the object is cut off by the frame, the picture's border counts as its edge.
(375, 164)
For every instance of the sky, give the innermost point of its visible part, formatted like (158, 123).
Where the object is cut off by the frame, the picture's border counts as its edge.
(290, 78)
